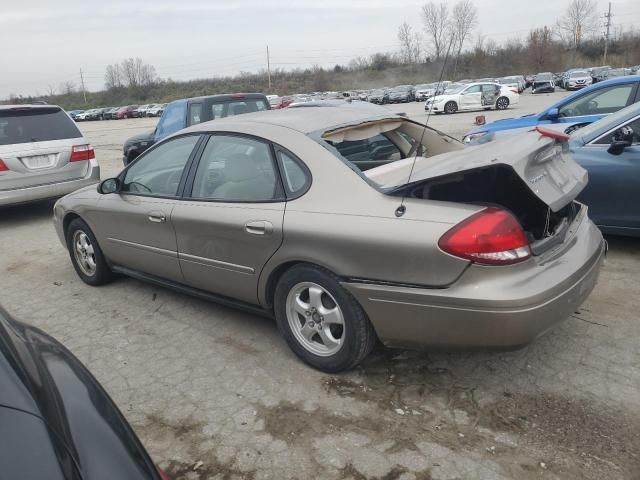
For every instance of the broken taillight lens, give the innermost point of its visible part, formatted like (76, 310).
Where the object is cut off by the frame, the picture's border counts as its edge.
(82, 152)
(490, 237)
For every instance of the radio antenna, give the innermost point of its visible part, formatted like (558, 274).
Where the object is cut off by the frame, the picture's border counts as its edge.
(402, 209)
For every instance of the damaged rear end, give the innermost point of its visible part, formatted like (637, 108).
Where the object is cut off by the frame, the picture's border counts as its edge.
(530, 176)
(533, 254)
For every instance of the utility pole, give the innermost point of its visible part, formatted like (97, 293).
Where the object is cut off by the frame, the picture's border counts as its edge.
(606, 37)
(84, 92)
(268, 68)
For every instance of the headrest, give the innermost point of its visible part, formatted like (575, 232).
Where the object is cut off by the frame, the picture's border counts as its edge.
(239, 167)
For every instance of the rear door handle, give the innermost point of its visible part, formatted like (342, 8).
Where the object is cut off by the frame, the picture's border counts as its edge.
(258, 227)
(157, 217)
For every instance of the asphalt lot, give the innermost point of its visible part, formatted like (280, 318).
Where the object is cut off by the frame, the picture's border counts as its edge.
(204, 383)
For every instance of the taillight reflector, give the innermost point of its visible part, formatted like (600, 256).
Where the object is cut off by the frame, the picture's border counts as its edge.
(491, 237)
(3, 166)
(547, 132)
(82, 152)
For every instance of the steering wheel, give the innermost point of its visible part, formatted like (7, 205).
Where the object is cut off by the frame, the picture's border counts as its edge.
(138, 185)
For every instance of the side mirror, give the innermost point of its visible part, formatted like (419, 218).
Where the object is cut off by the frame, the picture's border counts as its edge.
(553, 114)
(110, 185)
(622, 138)
(617, 147)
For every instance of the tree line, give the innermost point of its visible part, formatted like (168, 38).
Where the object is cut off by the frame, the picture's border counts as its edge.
(447, 43)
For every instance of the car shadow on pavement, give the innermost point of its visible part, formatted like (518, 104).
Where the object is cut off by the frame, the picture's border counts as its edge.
(623, 245)
(17, 215)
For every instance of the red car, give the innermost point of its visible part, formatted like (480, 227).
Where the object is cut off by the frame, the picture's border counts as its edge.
(125, 112)
(281, 102)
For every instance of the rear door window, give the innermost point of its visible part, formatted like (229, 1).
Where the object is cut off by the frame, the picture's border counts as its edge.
(230, 108)
(35, 125)
(195, 113)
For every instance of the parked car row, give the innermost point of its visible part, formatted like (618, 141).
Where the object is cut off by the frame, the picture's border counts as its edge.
(118, 113)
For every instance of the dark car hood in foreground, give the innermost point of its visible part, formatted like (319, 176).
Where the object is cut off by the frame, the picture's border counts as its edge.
(40, 377)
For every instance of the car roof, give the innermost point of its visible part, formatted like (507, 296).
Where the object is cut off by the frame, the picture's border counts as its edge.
(304, 120)
(28, 106)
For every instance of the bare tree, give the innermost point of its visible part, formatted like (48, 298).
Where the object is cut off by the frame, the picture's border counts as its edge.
(67, 87)
(435, 17)
(579, 21)
(410, 49)
(136, 73)
(112, 77)
(464, 20)
(539, 45)
(51, 90)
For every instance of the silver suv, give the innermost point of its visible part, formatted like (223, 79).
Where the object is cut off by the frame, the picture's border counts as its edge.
(42, 154)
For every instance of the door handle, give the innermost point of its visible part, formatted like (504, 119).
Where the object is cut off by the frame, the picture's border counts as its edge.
(157, 217)
(258, 227)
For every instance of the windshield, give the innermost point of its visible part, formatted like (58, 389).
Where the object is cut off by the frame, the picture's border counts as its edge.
(453, 89)
(424, 86)
(579, 74)
(543, 77)
(35, 125)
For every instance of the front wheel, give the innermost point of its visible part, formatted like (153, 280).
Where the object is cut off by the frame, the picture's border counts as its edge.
(321, 321)
(502, 103)
(86, 255)
(451, 107)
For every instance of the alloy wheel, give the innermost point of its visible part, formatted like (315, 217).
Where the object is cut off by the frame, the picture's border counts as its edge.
(502, 104)
(315, 319)
(84, 253)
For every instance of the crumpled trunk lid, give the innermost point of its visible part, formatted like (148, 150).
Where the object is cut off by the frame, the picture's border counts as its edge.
(544, 165)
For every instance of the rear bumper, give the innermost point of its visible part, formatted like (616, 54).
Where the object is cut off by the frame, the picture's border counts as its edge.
(486, 307)
(51, 190)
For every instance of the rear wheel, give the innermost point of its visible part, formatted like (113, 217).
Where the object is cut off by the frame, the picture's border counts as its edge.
(451, 107)
(321, 321)
(86, 255)
(502, 103)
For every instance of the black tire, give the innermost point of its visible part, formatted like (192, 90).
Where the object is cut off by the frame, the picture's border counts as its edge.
(102, 274)
(502, 103)
(451, 107)
(358, 335)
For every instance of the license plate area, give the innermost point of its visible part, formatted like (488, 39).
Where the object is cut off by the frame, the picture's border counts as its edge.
(39, 162)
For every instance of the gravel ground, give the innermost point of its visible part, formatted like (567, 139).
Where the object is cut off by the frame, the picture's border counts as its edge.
(204, 383)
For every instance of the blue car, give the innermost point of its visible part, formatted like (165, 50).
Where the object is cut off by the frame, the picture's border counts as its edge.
(583, 107)
(610, 151)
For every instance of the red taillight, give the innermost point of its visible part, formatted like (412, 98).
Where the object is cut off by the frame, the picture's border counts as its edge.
(3, 166)
(514, 90)
(492, 237)
(82, 152)
(547, 132)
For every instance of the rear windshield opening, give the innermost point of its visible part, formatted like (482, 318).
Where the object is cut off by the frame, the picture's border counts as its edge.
(35, 125)
(379, 149)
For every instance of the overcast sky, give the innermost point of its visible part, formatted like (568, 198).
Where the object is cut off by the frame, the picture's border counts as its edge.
(47, 42)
